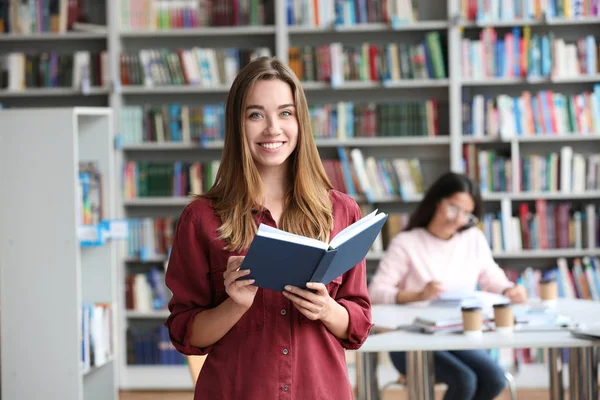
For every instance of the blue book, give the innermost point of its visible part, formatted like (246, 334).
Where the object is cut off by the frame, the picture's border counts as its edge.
(277, 258)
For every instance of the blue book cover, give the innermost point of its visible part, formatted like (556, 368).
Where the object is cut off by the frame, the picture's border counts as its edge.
(277, 258)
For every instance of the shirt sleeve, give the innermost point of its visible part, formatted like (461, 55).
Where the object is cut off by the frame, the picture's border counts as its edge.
(491, 277)
(188, 279)
(392, 268)
(353, 295)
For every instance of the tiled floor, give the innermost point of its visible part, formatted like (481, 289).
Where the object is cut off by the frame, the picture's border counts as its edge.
(389, 395)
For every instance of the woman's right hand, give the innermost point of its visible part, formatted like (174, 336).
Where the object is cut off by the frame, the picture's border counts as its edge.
(431, 290)
(242, 292)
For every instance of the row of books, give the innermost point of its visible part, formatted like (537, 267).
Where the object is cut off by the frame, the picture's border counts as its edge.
(529, 10)
(38, 16)
(150, 238)
(375, 178)
(344, 120)
(567, 172)
(548, 225)
(538, 225)
(204, 67)
(490, 168)
(97, 342)
(149, 15)
(563, 171)
(151, 346)
(542, 113)
(326, 13)
(521, 54)
(175, 122)
(147, 291)
(159, 179)
(89, 201)
(172, 122)
(79, 70)
(337, 62)
(580, 281)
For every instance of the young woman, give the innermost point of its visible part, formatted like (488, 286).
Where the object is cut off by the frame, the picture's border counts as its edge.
(263, 344)
(442, 249)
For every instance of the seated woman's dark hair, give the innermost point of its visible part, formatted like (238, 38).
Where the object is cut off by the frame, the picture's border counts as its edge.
(445, 186)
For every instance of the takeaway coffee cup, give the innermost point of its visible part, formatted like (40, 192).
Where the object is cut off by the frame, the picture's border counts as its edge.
(472, 317)
(548, 292)
(503, 318)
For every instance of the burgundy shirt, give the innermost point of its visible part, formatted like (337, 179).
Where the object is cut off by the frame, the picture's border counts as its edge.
(273, 352)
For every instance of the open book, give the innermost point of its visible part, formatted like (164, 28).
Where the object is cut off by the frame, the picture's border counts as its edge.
(277, 258)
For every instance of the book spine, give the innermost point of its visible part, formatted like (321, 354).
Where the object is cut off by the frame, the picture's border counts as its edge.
(324, 264)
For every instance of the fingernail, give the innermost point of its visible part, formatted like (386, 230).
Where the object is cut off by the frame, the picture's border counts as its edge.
(288, 287)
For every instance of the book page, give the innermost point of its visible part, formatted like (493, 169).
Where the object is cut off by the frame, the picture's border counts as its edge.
(274, 233)
(354, 229)
(355, 224)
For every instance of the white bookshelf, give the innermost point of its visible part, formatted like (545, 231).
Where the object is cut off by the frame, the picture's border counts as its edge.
(46, 274)
(441, 153)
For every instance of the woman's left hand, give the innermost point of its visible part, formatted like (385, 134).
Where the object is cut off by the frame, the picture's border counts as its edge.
(516, 294)
(315, 305)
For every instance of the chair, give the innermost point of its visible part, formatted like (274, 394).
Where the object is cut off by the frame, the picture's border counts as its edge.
(195, 364)
(510, 380)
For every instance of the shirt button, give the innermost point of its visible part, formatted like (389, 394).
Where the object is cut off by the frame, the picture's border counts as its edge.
(286, 388)
(283, 312)
(285, 351)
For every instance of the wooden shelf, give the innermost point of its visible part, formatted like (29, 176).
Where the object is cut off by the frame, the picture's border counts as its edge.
(69, 36)
(547, 137)
(369, 27)
(522, 23)
(155, 314)
(233, 31)
(157, 202)
(53, 92)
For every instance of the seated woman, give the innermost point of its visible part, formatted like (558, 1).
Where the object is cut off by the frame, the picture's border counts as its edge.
(442, 249)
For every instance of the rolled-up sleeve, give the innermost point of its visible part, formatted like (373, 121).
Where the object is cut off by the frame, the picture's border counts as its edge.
(354, 296)
(188, 278)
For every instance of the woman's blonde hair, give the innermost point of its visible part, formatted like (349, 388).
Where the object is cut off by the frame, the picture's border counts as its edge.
(238, 188)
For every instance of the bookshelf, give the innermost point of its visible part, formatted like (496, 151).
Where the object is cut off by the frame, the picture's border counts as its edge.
(438, 153)
(59, 274)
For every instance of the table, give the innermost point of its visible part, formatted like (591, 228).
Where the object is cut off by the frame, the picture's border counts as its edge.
(583, 354)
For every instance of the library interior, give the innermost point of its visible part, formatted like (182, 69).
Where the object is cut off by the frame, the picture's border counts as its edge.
(127, 102)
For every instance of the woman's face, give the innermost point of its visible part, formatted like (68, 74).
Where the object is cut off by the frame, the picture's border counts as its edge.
(453, 213)
(271, 124)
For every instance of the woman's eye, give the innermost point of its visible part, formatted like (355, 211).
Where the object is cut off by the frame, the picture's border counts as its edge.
(255, 115)
(286, 113)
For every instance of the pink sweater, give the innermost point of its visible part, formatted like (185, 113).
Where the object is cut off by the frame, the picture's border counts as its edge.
(416, 257)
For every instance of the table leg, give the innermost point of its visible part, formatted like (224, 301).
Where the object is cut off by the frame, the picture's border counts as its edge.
(575, 380)
(589, 358)
(583, 373)
(366, 376)
(555, 364)
(420, 375)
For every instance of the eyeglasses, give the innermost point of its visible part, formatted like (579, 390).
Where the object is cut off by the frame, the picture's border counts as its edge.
(453, 212)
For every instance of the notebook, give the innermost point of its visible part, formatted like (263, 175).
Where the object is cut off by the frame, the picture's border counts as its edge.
(277, 258)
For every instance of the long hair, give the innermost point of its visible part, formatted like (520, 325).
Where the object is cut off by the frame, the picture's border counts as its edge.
(238, 187)
(445, 186)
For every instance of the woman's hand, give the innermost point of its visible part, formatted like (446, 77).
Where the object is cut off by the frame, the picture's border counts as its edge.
(516, 294)
(315, 305)
(431, 291)
(241, 292)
